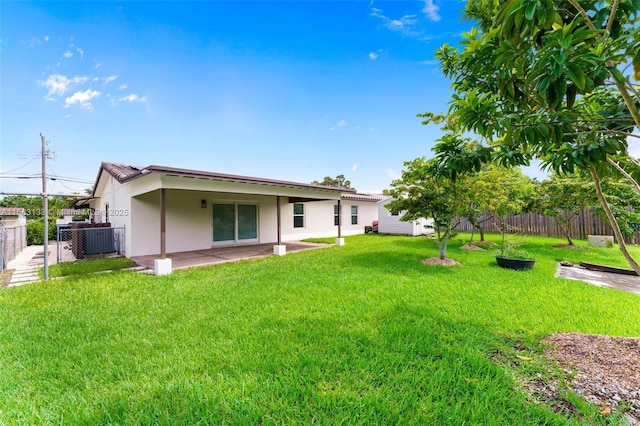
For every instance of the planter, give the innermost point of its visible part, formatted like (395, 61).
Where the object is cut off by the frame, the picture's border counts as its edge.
(517, 264)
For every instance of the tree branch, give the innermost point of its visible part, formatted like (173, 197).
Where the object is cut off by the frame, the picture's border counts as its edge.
(612, 15)
(624, 173)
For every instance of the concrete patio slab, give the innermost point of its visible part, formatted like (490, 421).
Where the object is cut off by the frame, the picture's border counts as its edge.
(213, 256)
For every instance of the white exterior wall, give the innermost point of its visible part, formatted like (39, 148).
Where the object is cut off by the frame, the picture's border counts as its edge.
(319, 219)
(11, 221)
(116, 197)
(188, 225)
(389, 224)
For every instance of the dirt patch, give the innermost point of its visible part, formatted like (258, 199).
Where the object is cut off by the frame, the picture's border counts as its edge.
(568, 246)
(471, 247)
(484, 243)
(5, 278)
(438, 261)
(603, 369)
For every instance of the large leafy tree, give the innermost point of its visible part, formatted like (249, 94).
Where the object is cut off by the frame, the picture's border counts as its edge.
(551, 79)
(563, 198)
(424, 191)
(338, 182)
(497, 190)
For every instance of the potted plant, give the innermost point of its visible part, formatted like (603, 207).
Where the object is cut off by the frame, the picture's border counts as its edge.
(513, 257)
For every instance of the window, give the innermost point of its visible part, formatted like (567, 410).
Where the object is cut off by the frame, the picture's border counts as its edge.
(354, 215)
(298, 215)
(395, 213)
(336, 215)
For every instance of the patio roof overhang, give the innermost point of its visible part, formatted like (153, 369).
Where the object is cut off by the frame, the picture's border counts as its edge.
(160, 178)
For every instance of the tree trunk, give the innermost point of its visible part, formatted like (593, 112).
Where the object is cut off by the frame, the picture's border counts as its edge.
(565, 228)
(481, 230)
(613, 221)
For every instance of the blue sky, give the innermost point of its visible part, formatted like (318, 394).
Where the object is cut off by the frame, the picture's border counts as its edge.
(292, 90)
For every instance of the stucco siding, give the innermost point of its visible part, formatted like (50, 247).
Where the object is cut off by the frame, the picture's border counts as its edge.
(391, 224)
(189, 226)
(319, 219)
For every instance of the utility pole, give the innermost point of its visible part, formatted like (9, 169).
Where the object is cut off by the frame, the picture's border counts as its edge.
(45, 207)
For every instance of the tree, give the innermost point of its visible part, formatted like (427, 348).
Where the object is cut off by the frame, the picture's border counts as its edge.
(551, 79)
(338, 182)
(497, 190)
(424, 191)
(563, 198)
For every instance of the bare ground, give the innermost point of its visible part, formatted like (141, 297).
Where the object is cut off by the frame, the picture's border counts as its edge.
(438, 261)
(605, 370)
(469, 246)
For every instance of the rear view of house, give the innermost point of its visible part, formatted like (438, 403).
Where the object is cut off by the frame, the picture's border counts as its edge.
(165, 209)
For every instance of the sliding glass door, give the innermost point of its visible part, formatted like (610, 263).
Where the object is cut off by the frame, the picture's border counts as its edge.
(234, 222)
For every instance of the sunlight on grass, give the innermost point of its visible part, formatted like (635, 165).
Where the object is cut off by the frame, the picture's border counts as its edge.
(360, 334)
(88, 266)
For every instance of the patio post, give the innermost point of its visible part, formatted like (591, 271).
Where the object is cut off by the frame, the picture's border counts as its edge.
(339, 240)
(279, 249)
(163, 224)
(163, 265)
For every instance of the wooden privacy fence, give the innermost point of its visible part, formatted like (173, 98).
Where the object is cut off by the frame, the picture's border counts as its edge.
(586, 223)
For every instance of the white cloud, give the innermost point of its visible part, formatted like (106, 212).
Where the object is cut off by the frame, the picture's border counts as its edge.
(67, 54)
(82, 98)
(122, 87)
(373, 56)
(354, 168)
(109, 79)
(58, 84)
(97, 65)
(133, 98)
(341, 123)
(392, 174)
(81, 52)
(46, 38)
(431, 10)
(404, 25)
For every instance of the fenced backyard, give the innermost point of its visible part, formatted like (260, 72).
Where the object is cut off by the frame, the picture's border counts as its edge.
(12, 241)
(585, 224)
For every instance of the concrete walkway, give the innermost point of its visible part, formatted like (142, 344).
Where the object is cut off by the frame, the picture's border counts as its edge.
(28, 262)
(621, 282)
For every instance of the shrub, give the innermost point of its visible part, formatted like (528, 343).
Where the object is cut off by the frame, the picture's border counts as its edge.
(35, 230)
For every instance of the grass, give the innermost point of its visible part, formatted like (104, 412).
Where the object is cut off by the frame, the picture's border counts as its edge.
(360, 334)
(82, 267)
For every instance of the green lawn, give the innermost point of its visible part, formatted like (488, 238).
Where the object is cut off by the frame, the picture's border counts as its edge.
(360, 334)
(81, 267)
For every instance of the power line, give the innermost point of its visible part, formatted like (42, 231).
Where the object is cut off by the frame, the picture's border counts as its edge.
(24, 165)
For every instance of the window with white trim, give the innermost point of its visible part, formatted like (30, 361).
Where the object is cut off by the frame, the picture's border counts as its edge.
(354, 215)
(298, 215)
(336, 215)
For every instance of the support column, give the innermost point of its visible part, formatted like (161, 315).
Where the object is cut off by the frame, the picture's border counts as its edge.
(279, 249)
(163, 265)
(163, 223)
(340, 240)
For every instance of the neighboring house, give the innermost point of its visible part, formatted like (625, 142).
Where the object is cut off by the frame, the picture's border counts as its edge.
(165, 209)
(73, 215)
(390, 223)
(13, 216)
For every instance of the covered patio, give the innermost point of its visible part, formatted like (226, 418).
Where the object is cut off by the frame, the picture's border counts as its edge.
(213, 256)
